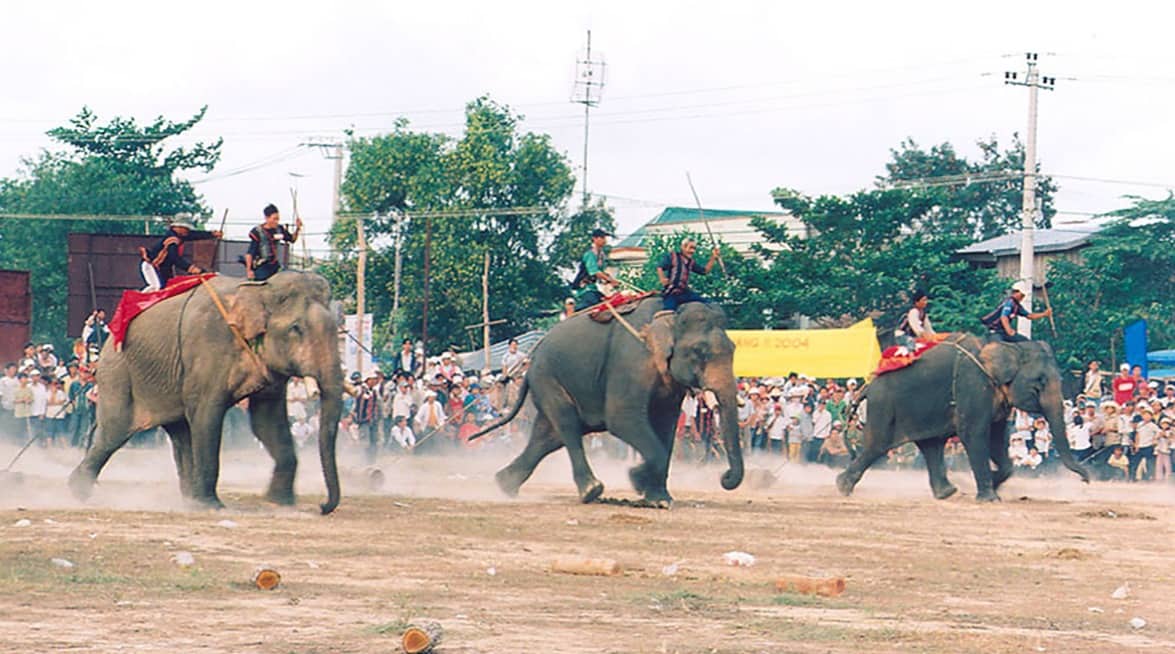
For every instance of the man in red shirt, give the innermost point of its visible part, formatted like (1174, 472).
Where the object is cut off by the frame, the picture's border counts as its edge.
(1124, 385)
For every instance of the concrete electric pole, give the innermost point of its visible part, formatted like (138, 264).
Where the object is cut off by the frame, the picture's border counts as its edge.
(589, 85)
(1034, 81)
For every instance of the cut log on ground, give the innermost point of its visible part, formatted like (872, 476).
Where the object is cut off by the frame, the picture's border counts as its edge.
(266, 578)
(823, 586)
(579, 566)
(421, 638)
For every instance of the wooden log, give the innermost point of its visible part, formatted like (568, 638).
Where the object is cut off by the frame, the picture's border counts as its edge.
(266, 578)
(823, 586)
(421, 638)
(574, 565)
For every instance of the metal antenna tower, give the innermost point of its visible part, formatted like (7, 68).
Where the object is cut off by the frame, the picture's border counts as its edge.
(589, 86)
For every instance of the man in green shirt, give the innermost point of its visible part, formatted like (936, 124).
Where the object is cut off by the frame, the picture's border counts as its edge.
(591, 279)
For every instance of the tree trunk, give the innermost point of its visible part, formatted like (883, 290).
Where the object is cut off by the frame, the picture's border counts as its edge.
(422, 637)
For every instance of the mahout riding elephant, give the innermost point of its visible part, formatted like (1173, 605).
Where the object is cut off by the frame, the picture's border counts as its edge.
(966, 387)
(181, 368)
(587, 377)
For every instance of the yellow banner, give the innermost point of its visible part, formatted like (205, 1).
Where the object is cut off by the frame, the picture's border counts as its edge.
(851, 352)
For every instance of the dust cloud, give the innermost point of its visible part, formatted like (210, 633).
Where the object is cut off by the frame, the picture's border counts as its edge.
(145, 479)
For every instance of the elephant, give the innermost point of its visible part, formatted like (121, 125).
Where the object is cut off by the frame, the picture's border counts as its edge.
(181, 367)
(588, 377)
(964, 386)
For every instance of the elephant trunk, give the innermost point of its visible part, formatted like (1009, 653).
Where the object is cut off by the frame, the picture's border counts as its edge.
(728, 420)
(1054, 413)
(331, 411)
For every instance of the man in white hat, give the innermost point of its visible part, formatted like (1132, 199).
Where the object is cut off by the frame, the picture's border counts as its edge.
(1000, 320)
(161, 261)
(367, 414)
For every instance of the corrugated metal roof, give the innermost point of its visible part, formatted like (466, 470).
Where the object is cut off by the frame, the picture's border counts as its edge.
(1044, 240)
(684, 215)
(476, 360)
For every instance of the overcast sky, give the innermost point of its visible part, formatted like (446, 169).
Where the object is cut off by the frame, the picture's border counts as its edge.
(746, 96)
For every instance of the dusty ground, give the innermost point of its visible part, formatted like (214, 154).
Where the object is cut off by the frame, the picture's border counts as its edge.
(1033, 574)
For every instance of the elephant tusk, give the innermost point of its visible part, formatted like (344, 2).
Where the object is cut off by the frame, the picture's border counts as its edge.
(710, 399)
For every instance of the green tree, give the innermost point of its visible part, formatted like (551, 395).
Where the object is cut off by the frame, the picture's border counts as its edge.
(980, 198)
(496, 190)
(1126, 274)
(118, 168)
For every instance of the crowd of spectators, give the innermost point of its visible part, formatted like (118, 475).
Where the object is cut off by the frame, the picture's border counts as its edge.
(48, 398)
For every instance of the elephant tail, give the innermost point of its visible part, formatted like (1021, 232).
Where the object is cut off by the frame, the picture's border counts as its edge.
(522, 392)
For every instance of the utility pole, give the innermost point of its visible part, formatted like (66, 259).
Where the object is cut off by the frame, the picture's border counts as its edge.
(332, 149)
(424, 304)
(485, 309)
(1034, 81)
(360, 290)
(398, 231)
(589, 85)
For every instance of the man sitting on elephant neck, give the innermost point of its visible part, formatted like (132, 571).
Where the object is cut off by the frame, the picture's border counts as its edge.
(674, 271)
(1000, 320)
(160, 261)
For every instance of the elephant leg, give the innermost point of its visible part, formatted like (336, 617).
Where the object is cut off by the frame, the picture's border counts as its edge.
(206, 422)
(875, 445)
(979, 454)
(650, 477)
(932, 453)
(999, 453)
(114, 430)
(271, 425)
(181, 449)
(542, 442)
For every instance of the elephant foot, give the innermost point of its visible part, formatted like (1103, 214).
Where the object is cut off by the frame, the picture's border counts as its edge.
(659, 499)
(987, 496)
(944, 492)
(508, 482)
(281, 498)
(844, 485)
(999, 477)
(210, 503)
(81, 484)
(642, 478)
(592, 492)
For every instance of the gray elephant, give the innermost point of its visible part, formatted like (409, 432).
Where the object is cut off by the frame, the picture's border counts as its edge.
(966, 387)
(587, 377)
(181, 368)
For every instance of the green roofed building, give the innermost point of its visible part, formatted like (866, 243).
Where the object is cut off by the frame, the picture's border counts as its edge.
(729, 226)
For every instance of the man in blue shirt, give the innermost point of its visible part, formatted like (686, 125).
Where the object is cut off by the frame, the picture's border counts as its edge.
(1000, 320)
(591, 281)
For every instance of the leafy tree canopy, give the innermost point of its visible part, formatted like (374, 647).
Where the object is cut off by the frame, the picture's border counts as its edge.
(114, 169)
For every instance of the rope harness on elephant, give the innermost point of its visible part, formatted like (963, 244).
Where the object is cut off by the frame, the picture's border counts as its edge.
(995, 384)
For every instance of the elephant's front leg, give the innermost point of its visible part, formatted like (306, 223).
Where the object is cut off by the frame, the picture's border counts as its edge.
(998, 442)
(206, 422)
(976, 440)
(181, 447)
(649, 478)
(932, 453)
(271, 425)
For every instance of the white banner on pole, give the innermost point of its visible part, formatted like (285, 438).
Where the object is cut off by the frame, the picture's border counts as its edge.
(349, 349)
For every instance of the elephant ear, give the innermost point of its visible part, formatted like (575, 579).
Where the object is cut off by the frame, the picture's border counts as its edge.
(248, 313)
(1002, 361)
(659, 338)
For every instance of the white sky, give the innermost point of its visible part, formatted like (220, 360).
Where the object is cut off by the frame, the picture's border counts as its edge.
(746, 96)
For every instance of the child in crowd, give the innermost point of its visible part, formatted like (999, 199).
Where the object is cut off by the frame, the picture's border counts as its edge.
(1119, 463)
(1163, 450)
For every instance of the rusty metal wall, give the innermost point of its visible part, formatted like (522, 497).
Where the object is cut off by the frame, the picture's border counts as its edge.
(114, 260)
(16, 311)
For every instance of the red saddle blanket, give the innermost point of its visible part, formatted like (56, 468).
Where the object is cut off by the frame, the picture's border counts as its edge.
(622, 302)
(897, 357)
(135, 302)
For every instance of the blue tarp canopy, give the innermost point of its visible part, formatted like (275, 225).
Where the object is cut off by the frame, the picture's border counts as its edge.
(1161, 357)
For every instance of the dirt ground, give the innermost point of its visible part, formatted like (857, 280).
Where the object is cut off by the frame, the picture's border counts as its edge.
(1032, 574)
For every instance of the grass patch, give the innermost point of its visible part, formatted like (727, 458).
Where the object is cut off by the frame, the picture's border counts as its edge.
(679, 599)
(394, 627)
(798, 599)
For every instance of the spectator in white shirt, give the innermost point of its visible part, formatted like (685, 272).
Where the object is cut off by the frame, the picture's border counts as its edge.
(431, 415)
(402, 435)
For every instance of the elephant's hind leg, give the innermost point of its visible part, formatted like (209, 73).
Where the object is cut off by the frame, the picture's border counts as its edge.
(181, 448)
(206, 421)
(932, 453)
(271, 425)
(113, 431)
(542, 442)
